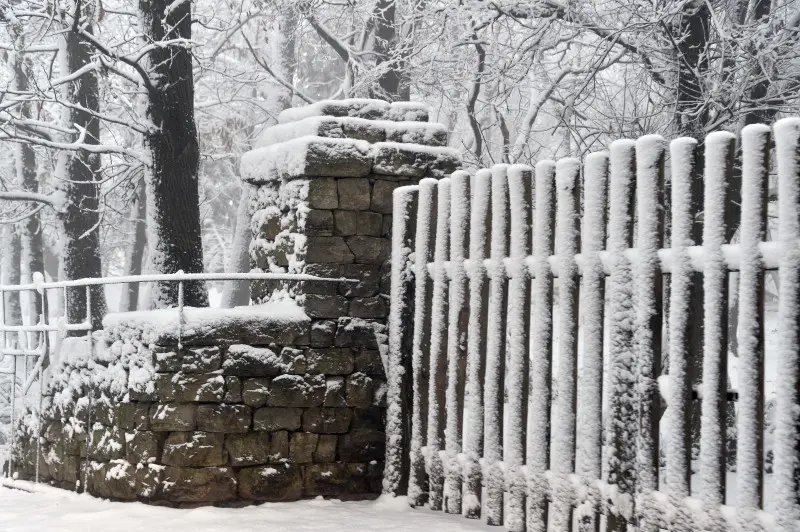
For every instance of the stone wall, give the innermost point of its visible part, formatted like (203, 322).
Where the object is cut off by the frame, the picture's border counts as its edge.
(214, 422)
(277, 401)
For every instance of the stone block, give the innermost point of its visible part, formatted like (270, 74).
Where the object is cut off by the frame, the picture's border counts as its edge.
(369, 223)
(322, 193)
(148, 481)
(326, 448)
(201, 360)
(248, 449)
(322, 333)
(354, 194)
(108, 443)
(319, 222)
(345, 223)
(281, 482)
(381, 391)
(114, 480)
(172, 417)
(65, 468)
(368, 418)
(247, 361)
(324, 306)
(329, 361)
(279, 446)
(363, 130)
(130, 416)
(203, 388)
(297, 391)
(382, 196)
(255, 392)
(359, 389)
(412, 160)
(165, 387)
(369, 361)
(335, 480)
(277, 418)
(293, 361)
(194, 449)
(362, 445)
(369, 249)
(233, 389)
(369, 307)
(199, 484)
(266, 223)
(386, 231)
(166, 362)
(358, 333)
(368, 277)
(327, 420)
(223, 418)
(142, 446)
(329, 270)
(302, 446)
(328, 249)
(335, 392)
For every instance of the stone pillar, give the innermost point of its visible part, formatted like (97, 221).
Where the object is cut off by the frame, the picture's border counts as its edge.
(325, 176)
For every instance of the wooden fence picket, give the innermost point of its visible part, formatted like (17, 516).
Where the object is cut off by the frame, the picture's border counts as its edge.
(493, 397)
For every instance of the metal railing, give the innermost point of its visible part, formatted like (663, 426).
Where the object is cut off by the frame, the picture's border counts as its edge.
(38, 334)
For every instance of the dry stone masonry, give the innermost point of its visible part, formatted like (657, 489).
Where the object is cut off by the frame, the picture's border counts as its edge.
(277, 401)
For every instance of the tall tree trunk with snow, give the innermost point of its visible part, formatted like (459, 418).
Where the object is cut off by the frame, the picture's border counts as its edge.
(129, 298)
(390, 78)
(11, 255)
(79, 219)
(30, 242)
(282, 58)
(173, 201)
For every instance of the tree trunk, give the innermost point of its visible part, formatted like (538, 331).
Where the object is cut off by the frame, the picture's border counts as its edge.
(79, 219)
(129, 298)
(385, 44)
(173, 201)
(282, 57)
(11, 255)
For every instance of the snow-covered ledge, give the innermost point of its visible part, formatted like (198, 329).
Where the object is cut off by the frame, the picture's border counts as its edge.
(245, 410)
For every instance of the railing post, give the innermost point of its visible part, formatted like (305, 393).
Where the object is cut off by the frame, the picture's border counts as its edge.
(401, 329)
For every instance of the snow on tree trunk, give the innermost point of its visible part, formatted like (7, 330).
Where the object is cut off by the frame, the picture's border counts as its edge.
(563, 455)
(129, 299)
(458, 313)
(540, 375)
(423, 254)
(749, 428)
(621, 429)
(589, 430)
(237, 293)
(80, 173)
(476, 344)
(787, 386)
(438, 358)
(679, 400)
(719, 156)
(10, 276)
(647, 301)
(495, 351)
(404, 213)
(173, 209)
(520, 183)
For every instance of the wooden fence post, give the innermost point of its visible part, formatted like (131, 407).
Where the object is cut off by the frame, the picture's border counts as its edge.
(457, 338)
(495, 350)
(787, 392)
(398, 412)
(588, 457)
(750, 418)
(517, 348)
(438, 358)
(480, 224)
(538, 451)
(426, 221)
(620, 458)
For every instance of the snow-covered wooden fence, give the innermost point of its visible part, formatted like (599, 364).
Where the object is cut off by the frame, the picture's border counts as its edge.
(497, 411)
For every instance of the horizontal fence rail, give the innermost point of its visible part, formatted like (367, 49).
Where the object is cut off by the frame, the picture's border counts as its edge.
(496, 275)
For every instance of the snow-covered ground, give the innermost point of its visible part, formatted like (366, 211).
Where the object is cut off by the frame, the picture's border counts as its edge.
(56, 510)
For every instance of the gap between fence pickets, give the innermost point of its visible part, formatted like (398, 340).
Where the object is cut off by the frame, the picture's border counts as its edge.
(770, 256)
(655, 506)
